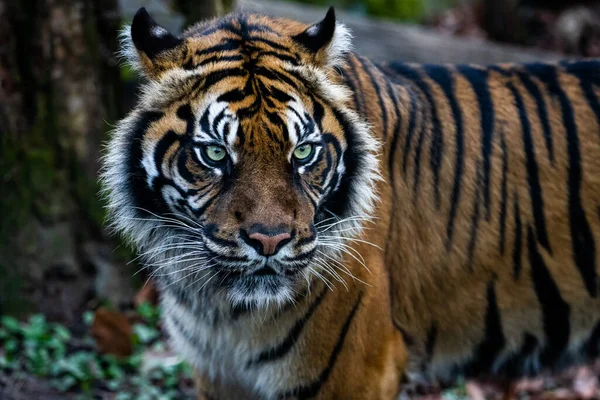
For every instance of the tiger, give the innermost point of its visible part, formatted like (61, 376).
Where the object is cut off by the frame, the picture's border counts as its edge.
(321, 226)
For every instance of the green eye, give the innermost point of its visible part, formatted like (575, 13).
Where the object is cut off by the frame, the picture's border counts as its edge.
(302, 152)
(215, 153)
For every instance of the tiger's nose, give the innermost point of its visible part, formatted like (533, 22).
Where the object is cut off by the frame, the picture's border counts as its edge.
(267, 245)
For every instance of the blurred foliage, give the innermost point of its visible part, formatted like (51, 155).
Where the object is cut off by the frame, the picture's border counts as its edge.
(48, 350)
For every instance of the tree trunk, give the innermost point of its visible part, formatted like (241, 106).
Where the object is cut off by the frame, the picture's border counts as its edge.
(60, 90)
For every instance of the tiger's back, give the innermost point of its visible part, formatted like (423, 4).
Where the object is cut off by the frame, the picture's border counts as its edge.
(494, 191)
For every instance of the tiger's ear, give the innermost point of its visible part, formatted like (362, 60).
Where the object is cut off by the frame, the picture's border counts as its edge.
(148, 47)
(327, 40)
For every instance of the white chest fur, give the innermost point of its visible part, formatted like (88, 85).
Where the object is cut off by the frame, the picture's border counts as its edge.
(226, 351)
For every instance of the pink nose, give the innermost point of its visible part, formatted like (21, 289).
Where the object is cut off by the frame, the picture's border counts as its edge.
(269, 243)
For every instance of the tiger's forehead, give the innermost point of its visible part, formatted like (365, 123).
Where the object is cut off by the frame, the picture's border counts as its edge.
(244, 36)
(276, 128)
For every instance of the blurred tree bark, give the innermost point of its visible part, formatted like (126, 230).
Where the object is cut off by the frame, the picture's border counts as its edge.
(60, 88)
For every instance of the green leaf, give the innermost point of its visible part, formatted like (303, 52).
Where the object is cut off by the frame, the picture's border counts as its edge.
(114, 371)
(10, 324)
(149, 312)
(11, 346)
(88, 318)
(144, 333)
(62, 333)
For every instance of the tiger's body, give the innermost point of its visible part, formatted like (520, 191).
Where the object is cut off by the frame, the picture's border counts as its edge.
(321, 257)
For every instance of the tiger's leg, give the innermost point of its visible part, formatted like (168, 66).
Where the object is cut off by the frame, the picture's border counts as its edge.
(356, 352)
(375, 361)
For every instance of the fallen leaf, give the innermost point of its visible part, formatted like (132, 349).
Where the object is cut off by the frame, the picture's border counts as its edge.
(113, 332)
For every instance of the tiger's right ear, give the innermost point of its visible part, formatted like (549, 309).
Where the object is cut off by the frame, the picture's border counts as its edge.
(148, 47)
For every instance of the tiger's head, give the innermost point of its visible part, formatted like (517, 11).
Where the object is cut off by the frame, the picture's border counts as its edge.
(242, 169)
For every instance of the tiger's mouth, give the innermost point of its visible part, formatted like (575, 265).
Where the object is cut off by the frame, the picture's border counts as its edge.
(266, 281)
(258, 287)
(267, 270)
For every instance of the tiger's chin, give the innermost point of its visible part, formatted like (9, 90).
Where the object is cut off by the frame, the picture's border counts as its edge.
(262, 290)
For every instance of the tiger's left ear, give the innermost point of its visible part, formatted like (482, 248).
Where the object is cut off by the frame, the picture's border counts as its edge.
(149, 47)
(327, 40)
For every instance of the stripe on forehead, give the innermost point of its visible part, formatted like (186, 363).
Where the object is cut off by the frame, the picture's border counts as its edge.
(301, 127)
(216, 123)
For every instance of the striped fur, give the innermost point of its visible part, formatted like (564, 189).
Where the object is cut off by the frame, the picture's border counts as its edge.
(445, 223)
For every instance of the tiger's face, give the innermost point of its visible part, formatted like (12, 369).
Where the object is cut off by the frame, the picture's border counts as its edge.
(241, 171)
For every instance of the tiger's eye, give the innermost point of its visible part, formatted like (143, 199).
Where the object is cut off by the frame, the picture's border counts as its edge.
(302, 152)
(215, 153)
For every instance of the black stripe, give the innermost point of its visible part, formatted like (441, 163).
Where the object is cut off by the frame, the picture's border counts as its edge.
(200, 211)
(518, 243)
(432, 335)
(418, 154)
(226, 26)
(444, 79)
(516, 365)
(205, 125)
(318, 113)
(232, 96)
(216, 59)
(377, 89)
(437, 140)
(280, 95)
(410, 132)
(277, 76)
(283, 57)
(213, 78)
(535, 92)
(312, 389)
(338, 202)
(584, 248)
(327, 170)
(161, 148)
(503, 194)
(283, 348)
(358, 98)
(395, 133)
(143, 197)
(304, 256)
(210, 231)
(475, 217)
(555, 311)
(182, 169)
(226, 45)
(408, 339)
(493, 342)
(217, 120)
(588, 73)
(269, 43)
(533, 179)
(308, 239)
(478, 80)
